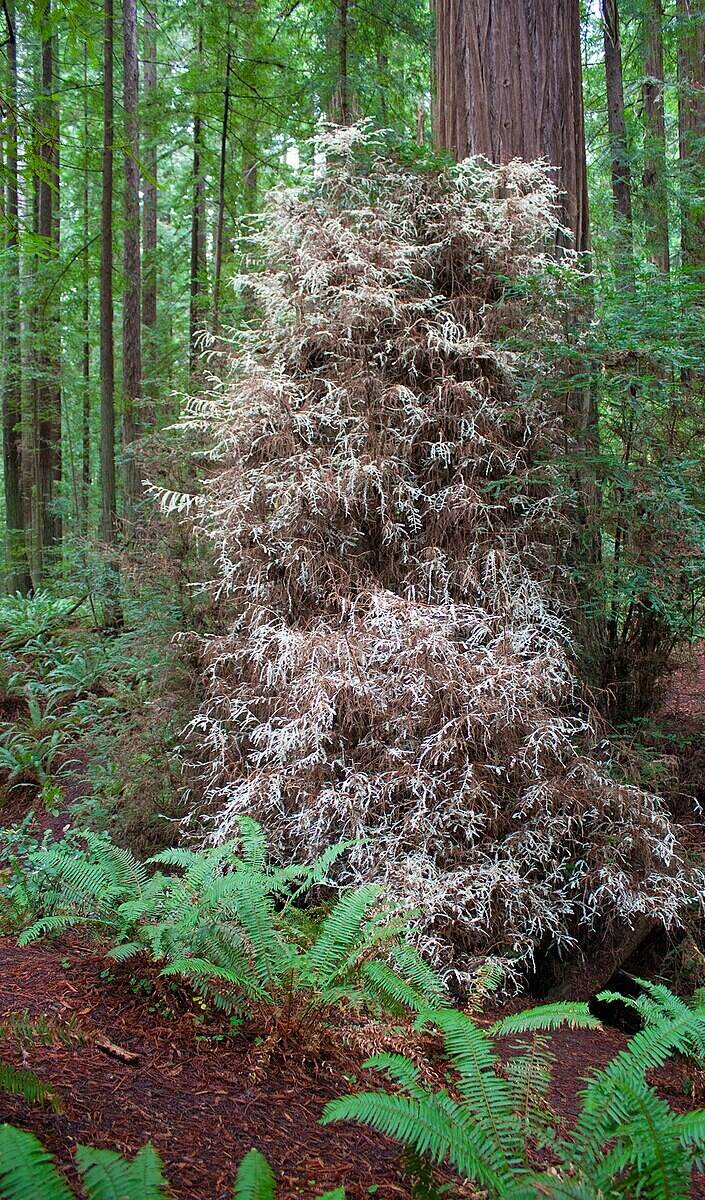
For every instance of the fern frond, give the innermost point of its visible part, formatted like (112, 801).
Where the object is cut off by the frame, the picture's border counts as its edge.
(201, 968)
(106, 1175)
(401, 1070)
(430, 1124)
(254, 1179)
(27, 1170)
(487, 1096)
(340, 933)
(393, 991)
(690, 1128)
(420, 974)
(545, 1017)
(52, 925)
(18, 1082)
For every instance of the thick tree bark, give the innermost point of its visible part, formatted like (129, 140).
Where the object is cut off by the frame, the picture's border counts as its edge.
(655, 190)
(691, 129)
(48, 388)
(508, 81)
(149, 212)
(107, 346)
(132, 299)
(220, 219)
(18, 564)
(621, 171)
(198, 215)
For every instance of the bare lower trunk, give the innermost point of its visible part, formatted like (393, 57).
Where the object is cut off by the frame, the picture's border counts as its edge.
(107, 347)
(149, 216)
(86, 320)
(655, 190)
(621, 172)
(691, 129)
(48, 388)
(220, 220)
(131, 305)
(508, 80)
(18, 565)
(198, 217)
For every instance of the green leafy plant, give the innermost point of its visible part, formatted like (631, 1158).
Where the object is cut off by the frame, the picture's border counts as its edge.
(17, 1081)
(226, 921)
(27, 1170)
(491, 1124)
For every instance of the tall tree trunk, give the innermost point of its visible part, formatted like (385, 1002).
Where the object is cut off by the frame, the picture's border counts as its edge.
(342, 104)
(691, 130)
(18, 564)
(621, 171)
(655, 190)
(149, 211)
(132, 286)
(220, 219)
(509, 85)
(107, 345)
(198, 214)
(86, 315)
(48, 366)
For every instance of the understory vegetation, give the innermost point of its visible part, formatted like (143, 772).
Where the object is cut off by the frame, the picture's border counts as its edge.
(352, 673)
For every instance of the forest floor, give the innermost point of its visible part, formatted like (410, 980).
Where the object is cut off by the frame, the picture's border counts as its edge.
(131, 1064)
(127, 1072)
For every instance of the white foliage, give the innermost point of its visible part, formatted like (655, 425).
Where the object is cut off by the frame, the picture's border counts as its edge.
(388, 531)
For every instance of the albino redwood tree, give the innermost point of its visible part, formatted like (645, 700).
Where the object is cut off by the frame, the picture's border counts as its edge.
(387, 527)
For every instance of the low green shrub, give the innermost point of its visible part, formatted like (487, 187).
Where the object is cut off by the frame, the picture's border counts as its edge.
(494, 1124)
(227, 921)
(28, 1170)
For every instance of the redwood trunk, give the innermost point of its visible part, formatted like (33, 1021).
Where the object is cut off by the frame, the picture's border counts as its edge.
(621, 172)
(654, 177)
(508, 81)
(107, 347)
(220, 221)
(198, 217)
(691, 128)
(131, 305)
(48, 390)
(149, 211)
(18, 565)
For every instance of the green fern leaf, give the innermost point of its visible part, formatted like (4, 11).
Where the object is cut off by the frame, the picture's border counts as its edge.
(340, 933)
(27, 1170)
(400, 1070)
(254, 1180)
(547, 1016)
(106, 1175)
(28, 1085)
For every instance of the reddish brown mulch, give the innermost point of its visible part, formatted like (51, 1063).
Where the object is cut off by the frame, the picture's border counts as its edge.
(202, 1103)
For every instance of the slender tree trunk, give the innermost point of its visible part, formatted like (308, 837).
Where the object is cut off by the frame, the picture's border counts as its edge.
(655, 189)
(220, 220)
(48, 367)
(621, 172)
(509, 85)
(86, 315)
(343, 90)
(18, 564)
(107, 346)
(691, 130)
(149, 213)
(198, 215)
(131, 303)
